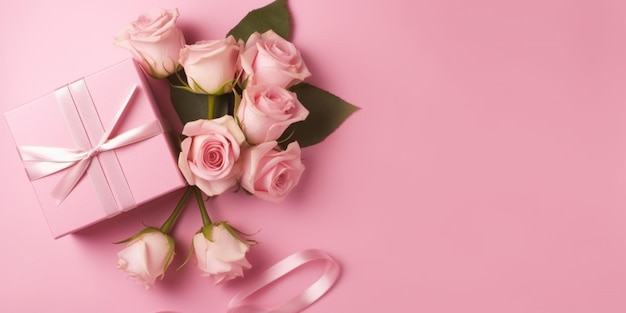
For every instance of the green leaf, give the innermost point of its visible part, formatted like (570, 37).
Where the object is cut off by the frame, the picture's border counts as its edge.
(273, 16)
(189, 254)
(170, 254)
(137, 235)
(192, 106)
(230, 230)
(326, 113)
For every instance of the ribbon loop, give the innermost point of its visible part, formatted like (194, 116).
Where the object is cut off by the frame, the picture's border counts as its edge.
(280, 269)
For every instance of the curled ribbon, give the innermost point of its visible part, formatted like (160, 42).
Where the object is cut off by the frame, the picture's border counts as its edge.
(280, 269)
(50, 160)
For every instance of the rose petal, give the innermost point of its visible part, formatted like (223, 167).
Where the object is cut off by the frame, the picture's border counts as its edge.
(227, 248)
(183, 163)
(134, 258)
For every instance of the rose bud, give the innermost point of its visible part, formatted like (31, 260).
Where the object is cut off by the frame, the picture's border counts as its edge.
(220, 252)
(211, 66)
(155, 42)
(147, 256)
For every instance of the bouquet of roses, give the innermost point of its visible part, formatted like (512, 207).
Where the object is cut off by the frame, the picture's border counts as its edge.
(246, 113)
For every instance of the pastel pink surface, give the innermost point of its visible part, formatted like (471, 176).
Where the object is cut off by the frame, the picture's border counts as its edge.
(485, 172)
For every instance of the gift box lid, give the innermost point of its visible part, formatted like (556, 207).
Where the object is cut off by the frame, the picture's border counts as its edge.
(77, 116)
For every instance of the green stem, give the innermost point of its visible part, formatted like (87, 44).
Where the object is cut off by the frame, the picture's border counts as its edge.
(211, 106)
(180, 79)
(206, 220)
(167, 226)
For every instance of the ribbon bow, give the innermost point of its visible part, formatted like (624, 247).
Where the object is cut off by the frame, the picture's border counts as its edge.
(50, 160)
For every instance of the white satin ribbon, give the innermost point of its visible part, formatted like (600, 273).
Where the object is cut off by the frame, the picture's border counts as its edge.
(50, 160)
(298, 303)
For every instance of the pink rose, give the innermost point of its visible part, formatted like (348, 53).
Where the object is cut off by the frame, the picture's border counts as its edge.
(211, 66)
(271, 174)
(209, 154)
(266, 111)
(222, 255)
(270, 59)
(147, 256)
(155, 41)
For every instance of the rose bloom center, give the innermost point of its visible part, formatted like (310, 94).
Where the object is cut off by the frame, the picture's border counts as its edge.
(212, 156)
(275, 102)
(282, 181)
(281, 51)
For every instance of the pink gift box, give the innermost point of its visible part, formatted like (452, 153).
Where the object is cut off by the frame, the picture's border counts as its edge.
(74, 120)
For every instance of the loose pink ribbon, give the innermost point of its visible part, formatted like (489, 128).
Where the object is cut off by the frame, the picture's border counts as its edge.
(285, 266)
(298, 303)
(50, 160)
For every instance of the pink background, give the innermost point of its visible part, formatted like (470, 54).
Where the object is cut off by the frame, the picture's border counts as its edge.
(486, 171)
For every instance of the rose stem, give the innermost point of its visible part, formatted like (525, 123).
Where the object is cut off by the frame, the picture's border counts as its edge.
(167, 226)
(206, 220)
(211, 106)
